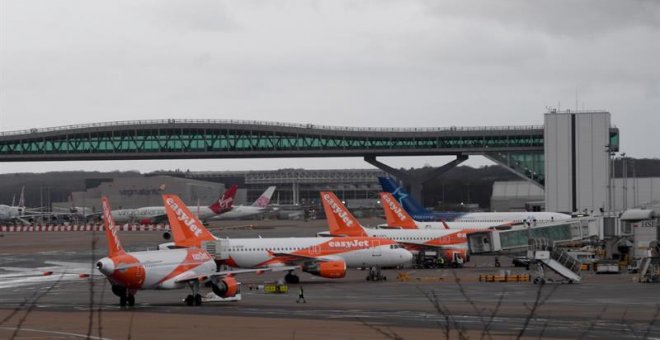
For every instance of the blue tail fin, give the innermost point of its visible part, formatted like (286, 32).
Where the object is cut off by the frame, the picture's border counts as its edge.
(409, 204)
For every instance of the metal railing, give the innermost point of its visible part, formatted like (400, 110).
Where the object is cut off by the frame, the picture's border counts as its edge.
(267, 123)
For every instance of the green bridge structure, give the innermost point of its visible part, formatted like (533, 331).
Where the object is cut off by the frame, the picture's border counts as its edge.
(518, 148)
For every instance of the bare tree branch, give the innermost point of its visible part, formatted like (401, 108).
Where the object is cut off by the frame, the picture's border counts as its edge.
(33, 305)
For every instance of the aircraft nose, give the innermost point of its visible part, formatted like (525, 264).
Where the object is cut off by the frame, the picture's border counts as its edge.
(105, 266)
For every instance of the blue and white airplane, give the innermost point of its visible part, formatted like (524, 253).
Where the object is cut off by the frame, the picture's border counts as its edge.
(419, 213)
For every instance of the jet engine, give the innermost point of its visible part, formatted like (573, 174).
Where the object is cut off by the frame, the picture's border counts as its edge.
(328, 269)
(226, 287)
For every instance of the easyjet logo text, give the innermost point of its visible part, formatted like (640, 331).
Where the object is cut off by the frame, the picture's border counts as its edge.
(394, 207)
(337, 210)
(349, 244)
(183, 217)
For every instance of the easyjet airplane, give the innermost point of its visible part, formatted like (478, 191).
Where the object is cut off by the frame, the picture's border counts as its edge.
(156, 214)
(451, 243)
(129, 272)
(325, 257)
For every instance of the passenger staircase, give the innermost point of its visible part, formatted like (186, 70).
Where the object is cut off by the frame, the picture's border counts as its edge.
(543, 252)
(649, 269)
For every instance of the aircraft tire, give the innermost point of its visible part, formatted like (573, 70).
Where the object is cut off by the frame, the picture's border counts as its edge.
(198, 300)
(131, 300)
(190, 300)
(292, 279)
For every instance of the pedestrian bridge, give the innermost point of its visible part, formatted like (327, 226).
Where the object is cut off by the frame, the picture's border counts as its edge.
(520, 148)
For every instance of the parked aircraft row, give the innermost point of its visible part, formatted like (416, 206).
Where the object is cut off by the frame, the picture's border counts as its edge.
(185, 262)
(221, 209)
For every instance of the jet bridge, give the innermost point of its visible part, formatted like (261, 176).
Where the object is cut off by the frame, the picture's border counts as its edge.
(516, 240)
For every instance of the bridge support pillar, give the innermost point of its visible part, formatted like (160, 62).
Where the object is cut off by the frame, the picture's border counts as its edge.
(417, 180)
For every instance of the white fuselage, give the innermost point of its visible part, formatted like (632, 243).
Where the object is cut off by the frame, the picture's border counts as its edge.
(274, 252)
(248, 253)
(440, 238)
(485, 220)
(240, 211)
(157, 269)
(8, 213)
(139, 214)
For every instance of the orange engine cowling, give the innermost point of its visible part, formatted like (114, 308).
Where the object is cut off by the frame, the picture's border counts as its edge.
(226, 287)
(329, 269)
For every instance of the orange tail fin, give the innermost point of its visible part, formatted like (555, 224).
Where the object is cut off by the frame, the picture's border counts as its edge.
(340, 220)
(394, 214)
(114, 246)
(187, 230)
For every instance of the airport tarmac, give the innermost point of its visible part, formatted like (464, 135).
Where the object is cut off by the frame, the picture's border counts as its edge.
(428, 305)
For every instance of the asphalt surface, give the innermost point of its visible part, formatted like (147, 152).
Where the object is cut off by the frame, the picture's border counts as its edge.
(431, 303)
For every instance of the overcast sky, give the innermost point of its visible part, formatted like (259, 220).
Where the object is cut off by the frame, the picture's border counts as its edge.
(348, 63)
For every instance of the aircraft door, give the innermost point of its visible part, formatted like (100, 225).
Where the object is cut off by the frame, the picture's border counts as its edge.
(376, 251)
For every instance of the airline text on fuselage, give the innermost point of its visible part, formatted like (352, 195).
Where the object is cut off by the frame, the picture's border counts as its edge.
(349, 244)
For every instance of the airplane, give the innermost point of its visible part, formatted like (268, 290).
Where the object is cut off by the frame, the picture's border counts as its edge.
(421, 214)
(154, 215)
(20, 214)
(129, 272)
(324, 257)
(241, 211)
(397, 217)
(452, 244)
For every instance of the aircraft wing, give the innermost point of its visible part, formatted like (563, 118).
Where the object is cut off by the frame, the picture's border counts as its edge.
(290, 257)
(204, 277)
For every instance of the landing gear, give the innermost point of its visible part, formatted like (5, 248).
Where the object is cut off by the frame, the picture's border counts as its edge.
(195, 298)
(375, 274)
(126, 297)
(291, 278)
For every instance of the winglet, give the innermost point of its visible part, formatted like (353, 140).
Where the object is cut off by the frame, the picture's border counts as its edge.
(394, 214)
(340, 220)
(114, 246)
(225, 202)
(187, 230)
(264, 199)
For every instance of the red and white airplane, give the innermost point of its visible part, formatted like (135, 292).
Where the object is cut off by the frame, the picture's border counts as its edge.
(451, 243)
(156, 214)
(129, 272)
(325, 257)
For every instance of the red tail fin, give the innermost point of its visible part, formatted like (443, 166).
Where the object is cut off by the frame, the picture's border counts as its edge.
(114, 246)
(226, 202)
(187, 230)
(340, 220)
(394, 214)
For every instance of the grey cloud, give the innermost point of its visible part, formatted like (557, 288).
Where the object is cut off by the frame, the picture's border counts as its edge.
(556, 17)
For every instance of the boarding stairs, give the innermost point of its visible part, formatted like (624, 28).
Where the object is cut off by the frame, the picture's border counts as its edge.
(545, 254)
(649, 269)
